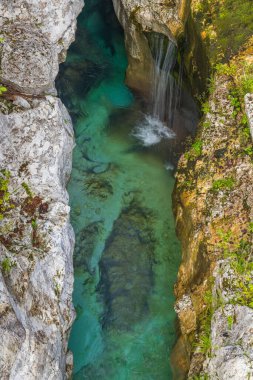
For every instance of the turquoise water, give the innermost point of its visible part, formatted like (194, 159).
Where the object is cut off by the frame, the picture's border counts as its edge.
(126, 255)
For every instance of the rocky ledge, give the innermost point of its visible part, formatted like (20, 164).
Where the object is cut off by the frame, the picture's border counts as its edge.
(36, 239)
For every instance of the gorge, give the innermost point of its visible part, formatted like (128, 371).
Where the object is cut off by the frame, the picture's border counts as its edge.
(126, 254)
(157, 91)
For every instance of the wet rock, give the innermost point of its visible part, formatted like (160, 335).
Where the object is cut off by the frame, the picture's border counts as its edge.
(86, 241)
(126, 268)
(97, 186)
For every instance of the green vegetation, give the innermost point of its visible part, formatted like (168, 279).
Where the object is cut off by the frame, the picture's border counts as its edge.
(197, 147)
(225, 26)
(200, 377)
(234, 98)
(5, 204)
(223, 184)
(205, 343)
(226, 69)
(34, 224)
(240, 259)
(27, 189)
(2, 89)
(7, 265)
(195, 150)
(230, 320)
(205, 107)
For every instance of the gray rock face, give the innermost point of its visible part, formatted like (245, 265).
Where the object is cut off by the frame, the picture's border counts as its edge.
(36, 292)
(165, 17)
(36, 238)
(232, 346)
(249, 110)
(36, 36)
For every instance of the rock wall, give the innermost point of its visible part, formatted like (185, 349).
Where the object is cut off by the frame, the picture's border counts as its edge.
(213, 202)
(36, 239)
(139, 17)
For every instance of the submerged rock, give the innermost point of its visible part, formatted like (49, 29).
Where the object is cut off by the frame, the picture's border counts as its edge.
(126, 268)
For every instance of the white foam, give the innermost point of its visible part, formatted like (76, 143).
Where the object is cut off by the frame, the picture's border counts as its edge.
(151, 131)
(169, 166)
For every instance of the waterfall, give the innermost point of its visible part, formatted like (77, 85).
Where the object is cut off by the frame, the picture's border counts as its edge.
(163, 82)
(165, 93)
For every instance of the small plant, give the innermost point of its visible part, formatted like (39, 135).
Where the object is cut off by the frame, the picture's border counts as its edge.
(234, 98)
(57, 288)
(203, 376)
(197, 147)
(195, 151)
(244, 122)
(248, 151)
(206, 124)
(246, 84)
(5, 203)
(205, 108)
(205, 344)
(34, 224)
(225, 69)
(3, 89)
(7, 265)
(223, 184)
(27, 189)
(230, 320)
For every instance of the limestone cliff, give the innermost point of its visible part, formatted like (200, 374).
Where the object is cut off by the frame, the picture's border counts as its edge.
(36, 239)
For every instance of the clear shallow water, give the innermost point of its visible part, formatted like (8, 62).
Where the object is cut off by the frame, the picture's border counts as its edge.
(126, 255)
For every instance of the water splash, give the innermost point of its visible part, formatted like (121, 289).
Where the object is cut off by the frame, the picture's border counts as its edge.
(151, 131)
(169, 166)
(165, 93)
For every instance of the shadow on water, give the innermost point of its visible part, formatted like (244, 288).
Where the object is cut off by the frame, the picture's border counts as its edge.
(126, 255)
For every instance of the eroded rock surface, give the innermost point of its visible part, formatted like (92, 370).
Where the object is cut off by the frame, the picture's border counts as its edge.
(36, 242)
(36, 36)
(36, 239)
